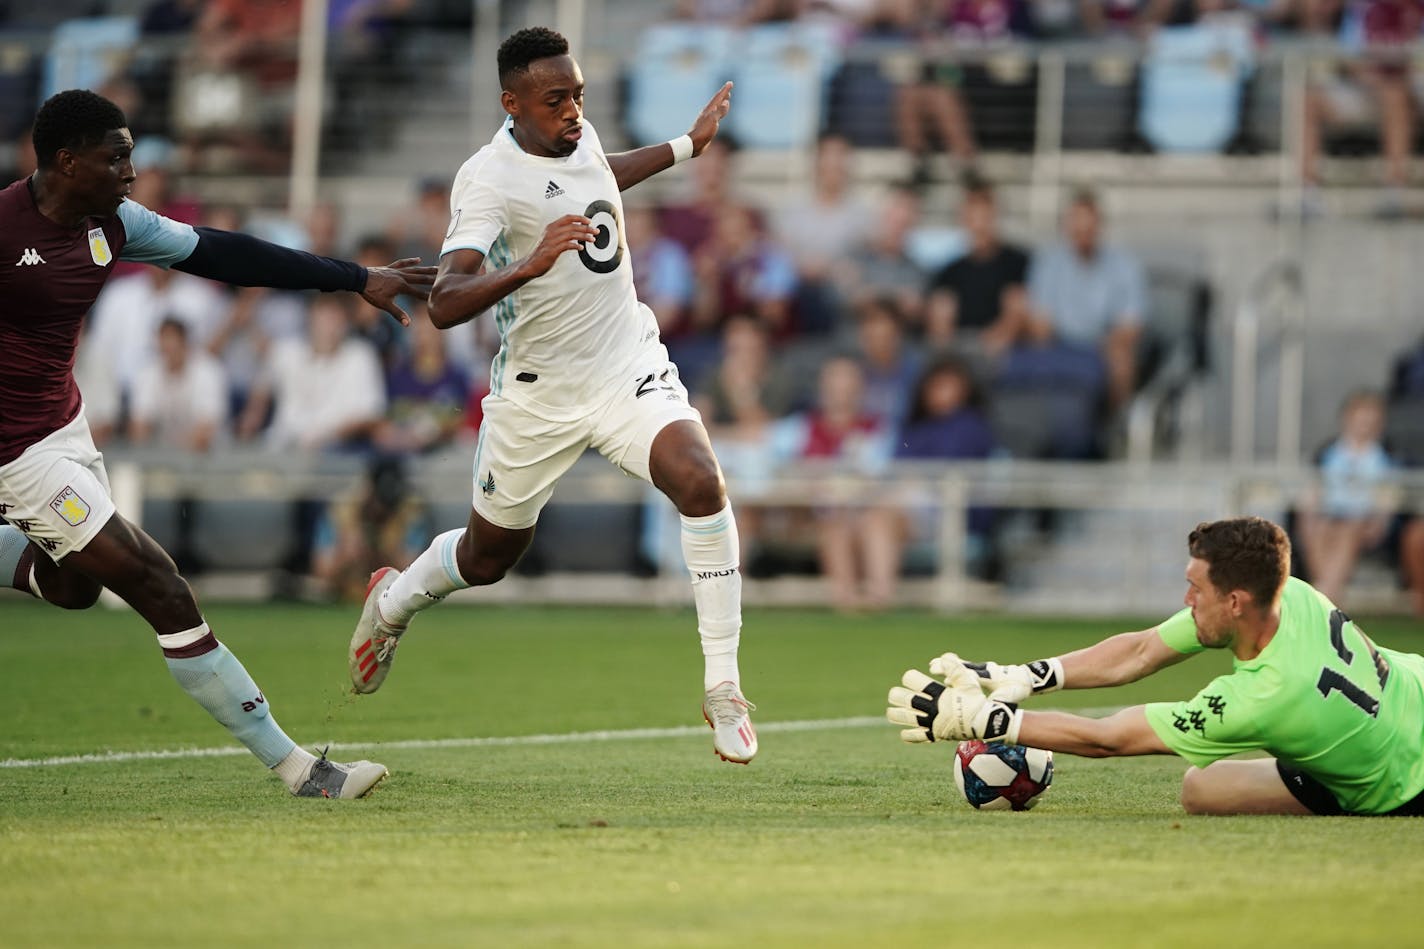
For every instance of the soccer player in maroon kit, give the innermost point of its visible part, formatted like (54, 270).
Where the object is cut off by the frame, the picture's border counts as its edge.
(61, 232)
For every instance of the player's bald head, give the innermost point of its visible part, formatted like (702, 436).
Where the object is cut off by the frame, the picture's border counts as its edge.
(76, 119)
(525, 47)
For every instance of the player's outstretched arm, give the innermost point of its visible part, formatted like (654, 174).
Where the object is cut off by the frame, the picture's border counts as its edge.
(637, 165)
(1116, 660)
(1121, 734)
(464, 289)
(957, 710)
(247, 261)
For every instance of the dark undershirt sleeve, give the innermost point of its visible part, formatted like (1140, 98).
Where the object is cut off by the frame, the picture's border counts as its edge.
(247, 261)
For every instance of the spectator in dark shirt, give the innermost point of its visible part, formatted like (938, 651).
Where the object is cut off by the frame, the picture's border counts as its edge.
(426, 394)
(979, 301)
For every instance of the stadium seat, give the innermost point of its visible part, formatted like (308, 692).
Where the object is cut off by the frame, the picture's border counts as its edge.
(1191, 86)
(1103, 94)
(85, 54)
(677, 68)
(782, 71)
(1002, 93)
(860, 103)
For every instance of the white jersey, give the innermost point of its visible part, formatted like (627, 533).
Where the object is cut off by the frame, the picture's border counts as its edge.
(579, 328)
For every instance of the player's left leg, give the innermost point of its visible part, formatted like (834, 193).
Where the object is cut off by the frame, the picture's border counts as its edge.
(1254, 786)
(25, 567)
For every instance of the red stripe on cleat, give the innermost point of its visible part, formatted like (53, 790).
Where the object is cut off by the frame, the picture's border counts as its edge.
(369, 672)
(369, 660)
(364, 646)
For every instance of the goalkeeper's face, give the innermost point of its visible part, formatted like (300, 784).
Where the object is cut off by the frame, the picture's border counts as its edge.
(1215, 613)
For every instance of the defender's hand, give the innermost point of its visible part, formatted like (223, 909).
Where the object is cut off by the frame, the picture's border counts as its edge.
(569, 232)
(710, 119)
(1016, 683)
(404, 277)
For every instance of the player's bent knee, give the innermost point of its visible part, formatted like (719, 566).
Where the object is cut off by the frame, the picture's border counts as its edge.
(1197, 797)
(74, 596)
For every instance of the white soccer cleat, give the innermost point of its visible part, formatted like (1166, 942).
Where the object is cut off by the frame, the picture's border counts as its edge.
(729, 713)
(332, 779)
(373, 645)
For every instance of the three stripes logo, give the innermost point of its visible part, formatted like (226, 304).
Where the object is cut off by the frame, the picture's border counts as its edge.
(553, 191)
(31, 257)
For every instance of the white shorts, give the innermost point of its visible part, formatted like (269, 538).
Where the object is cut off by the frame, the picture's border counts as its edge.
(520, 456)
(57, 492)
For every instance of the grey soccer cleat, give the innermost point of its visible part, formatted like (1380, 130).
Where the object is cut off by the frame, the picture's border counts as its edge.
(332, 779)
(373, 645)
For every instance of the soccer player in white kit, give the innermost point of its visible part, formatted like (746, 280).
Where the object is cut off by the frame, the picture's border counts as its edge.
(536, 232)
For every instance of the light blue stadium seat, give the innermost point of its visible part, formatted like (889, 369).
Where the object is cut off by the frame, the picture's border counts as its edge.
(1191, 86)
(782, 72)
(84, 54)
(677, 68)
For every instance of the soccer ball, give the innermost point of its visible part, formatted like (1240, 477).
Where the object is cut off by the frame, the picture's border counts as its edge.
(999, 777)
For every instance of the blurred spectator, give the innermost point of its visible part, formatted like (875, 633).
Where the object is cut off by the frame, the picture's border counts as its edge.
(1133, 18)
(663, 277)
(425, 392)
(1088, 300)
(978, 301)
(890, 365)
(1376, 86)
(881, 264)
(323, 230)
(741, 270)
(180, 398)
(820, 230)
(946, 423)
(935, 98)
(327, 388)
(859, 551)
(1346, 517)
(380, 523)
(233, 93)
(1411, 560)
(419, 230)
(691, 221)
(127, 313)
(163, 30)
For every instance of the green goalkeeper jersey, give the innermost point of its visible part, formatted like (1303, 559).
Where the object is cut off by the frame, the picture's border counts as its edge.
(1320, 696)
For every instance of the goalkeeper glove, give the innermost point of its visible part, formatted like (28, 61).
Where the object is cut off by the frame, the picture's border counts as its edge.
(954, 711)
(1016, 683)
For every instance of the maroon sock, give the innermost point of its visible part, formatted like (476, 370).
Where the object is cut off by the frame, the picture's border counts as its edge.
(21, 580)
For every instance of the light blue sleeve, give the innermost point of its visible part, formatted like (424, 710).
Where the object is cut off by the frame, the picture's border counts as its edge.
(154, 239)
(1132, 308)
(1040, 279)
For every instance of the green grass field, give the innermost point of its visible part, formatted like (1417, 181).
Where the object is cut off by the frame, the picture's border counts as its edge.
(838, 835)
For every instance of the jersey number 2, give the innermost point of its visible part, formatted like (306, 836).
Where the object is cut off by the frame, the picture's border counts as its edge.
(1333, 681)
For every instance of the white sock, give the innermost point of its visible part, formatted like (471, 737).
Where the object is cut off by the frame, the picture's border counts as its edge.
(710, 547)
(432, 577)
(294, 768)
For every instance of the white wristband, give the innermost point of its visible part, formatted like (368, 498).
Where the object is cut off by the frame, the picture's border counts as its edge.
(681, 148)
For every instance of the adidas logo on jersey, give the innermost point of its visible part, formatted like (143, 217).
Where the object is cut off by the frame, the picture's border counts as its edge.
(32, 256)
(553, 191)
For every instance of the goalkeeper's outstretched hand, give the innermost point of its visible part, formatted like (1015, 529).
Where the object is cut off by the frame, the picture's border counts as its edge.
(953, 711)
(1016, 683)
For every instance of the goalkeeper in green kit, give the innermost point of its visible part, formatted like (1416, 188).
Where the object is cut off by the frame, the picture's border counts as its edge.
(1342, 718)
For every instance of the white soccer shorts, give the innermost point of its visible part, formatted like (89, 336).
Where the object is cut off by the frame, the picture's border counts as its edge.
(520, 456)
(57, 492)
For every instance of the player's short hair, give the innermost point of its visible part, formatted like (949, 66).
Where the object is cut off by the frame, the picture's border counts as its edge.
(75, 119)
(1243, 553)
(522, 48)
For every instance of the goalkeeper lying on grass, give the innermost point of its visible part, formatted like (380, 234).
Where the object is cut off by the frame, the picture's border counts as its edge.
(1342, 718)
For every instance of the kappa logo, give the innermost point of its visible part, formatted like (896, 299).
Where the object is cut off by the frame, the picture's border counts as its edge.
(70, 506)
(553, 191)
(29, 258)
(487, 485)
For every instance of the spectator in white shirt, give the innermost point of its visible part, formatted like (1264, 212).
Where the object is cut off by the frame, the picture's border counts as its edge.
(179, 397)
(328, 388)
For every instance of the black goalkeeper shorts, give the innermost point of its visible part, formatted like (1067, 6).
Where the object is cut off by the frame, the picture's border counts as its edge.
(1318, 800)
